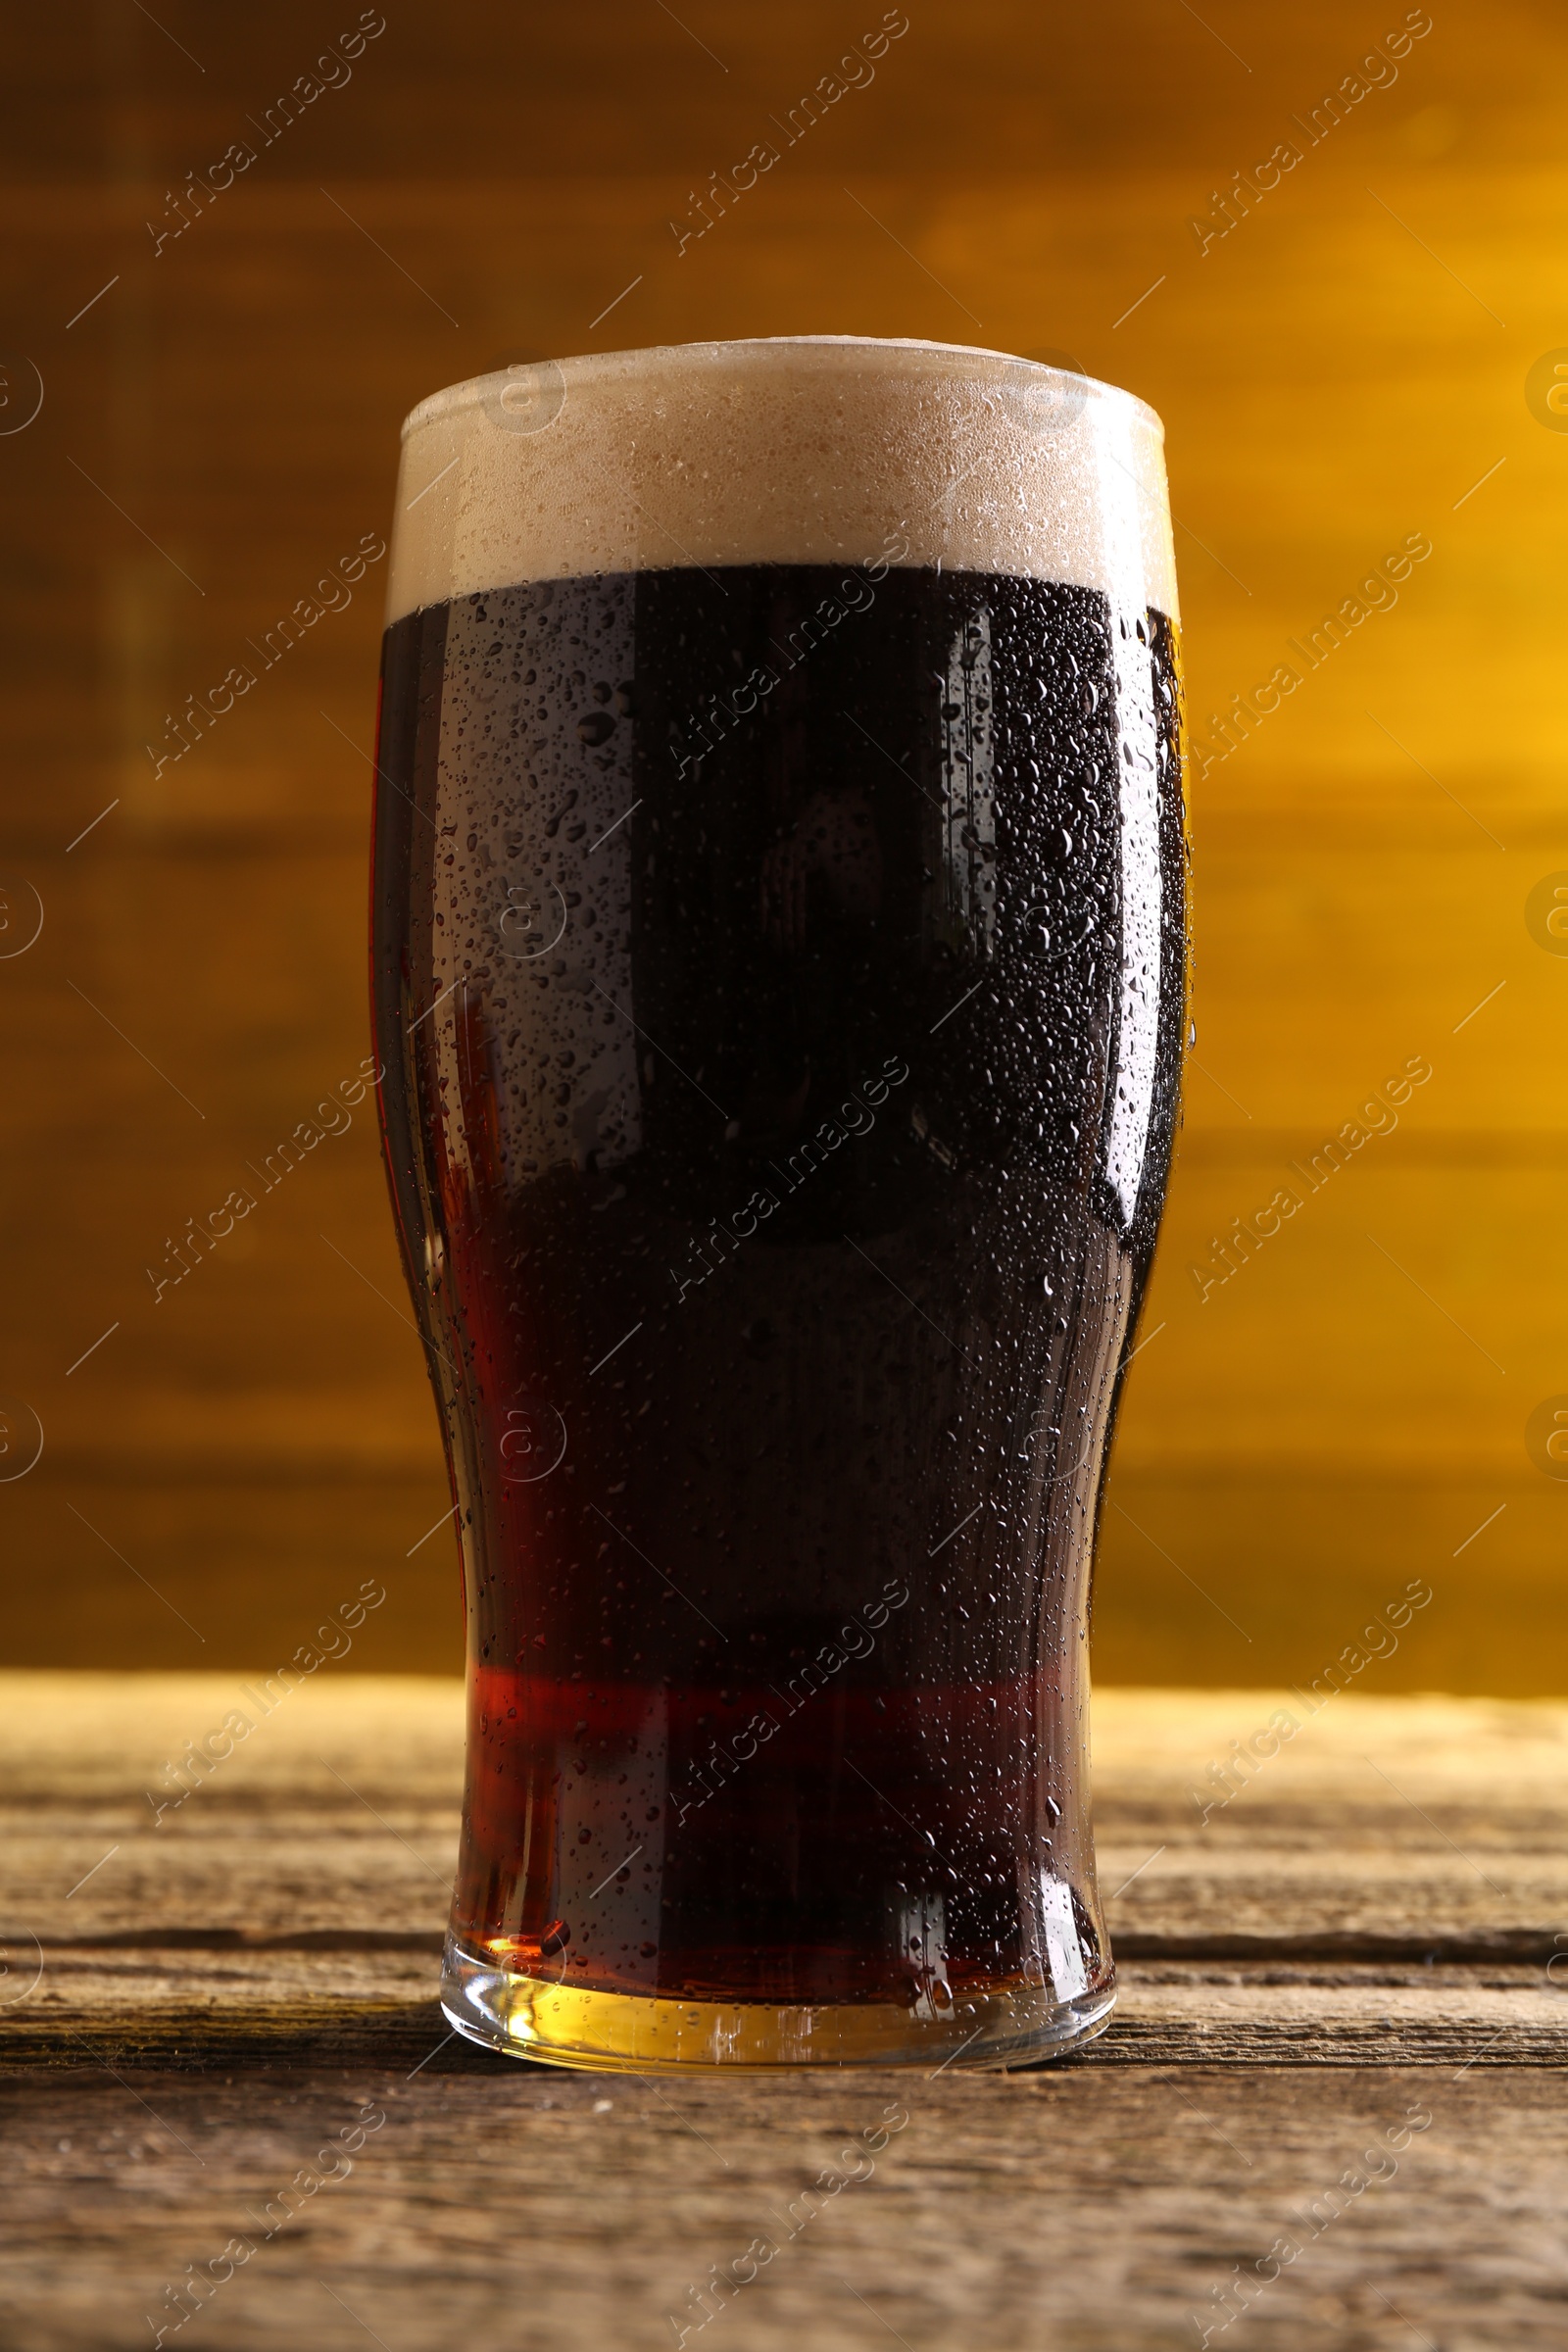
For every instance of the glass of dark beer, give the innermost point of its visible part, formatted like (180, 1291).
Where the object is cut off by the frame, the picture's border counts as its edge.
(779, 968)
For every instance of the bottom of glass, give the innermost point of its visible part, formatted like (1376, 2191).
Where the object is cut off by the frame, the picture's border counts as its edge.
(625, 2032)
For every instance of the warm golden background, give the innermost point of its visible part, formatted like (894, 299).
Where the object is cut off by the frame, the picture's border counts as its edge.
(1335, 374)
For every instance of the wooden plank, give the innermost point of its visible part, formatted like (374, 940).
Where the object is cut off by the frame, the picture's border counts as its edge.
(326, 1998)
(235, 1992)
(1382, 1827)
(310, 1873)
(1088, 2210)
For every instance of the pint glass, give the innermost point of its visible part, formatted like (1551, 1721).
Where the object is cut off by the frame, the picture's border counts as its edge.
(779, 971)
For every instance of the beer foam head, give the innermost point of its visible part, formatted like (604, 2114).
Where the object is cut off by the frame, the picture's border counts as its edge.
(816, 449)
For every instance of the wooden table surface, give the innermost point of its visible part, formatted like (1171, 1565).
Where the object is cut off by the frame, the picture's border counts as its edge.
(1329, 2111)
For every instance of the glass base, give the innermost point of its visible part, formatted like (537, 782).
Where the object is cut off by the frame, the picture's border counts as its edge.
(624, 2033)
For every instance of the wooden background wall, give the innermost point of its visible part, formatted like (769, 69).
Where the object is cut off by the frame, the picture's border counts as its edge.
(1348, 366)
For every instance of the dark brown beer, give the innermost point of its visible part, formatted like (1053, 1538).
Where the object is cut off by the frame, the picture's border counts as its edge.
(779, 977)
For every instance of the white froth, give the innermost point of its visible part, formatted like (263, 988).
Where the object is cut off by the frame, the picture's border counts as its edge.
(810, 449)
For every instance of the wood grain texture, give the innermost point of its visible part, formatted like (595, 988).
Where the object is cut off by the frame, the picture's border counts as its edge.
(1344, 367)
(221, 2058)
(1389, 1827)
(1089, 2210)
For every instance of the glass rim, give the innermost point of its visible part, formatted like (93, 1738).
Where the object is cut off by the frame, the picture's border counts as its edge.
(582, 369)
